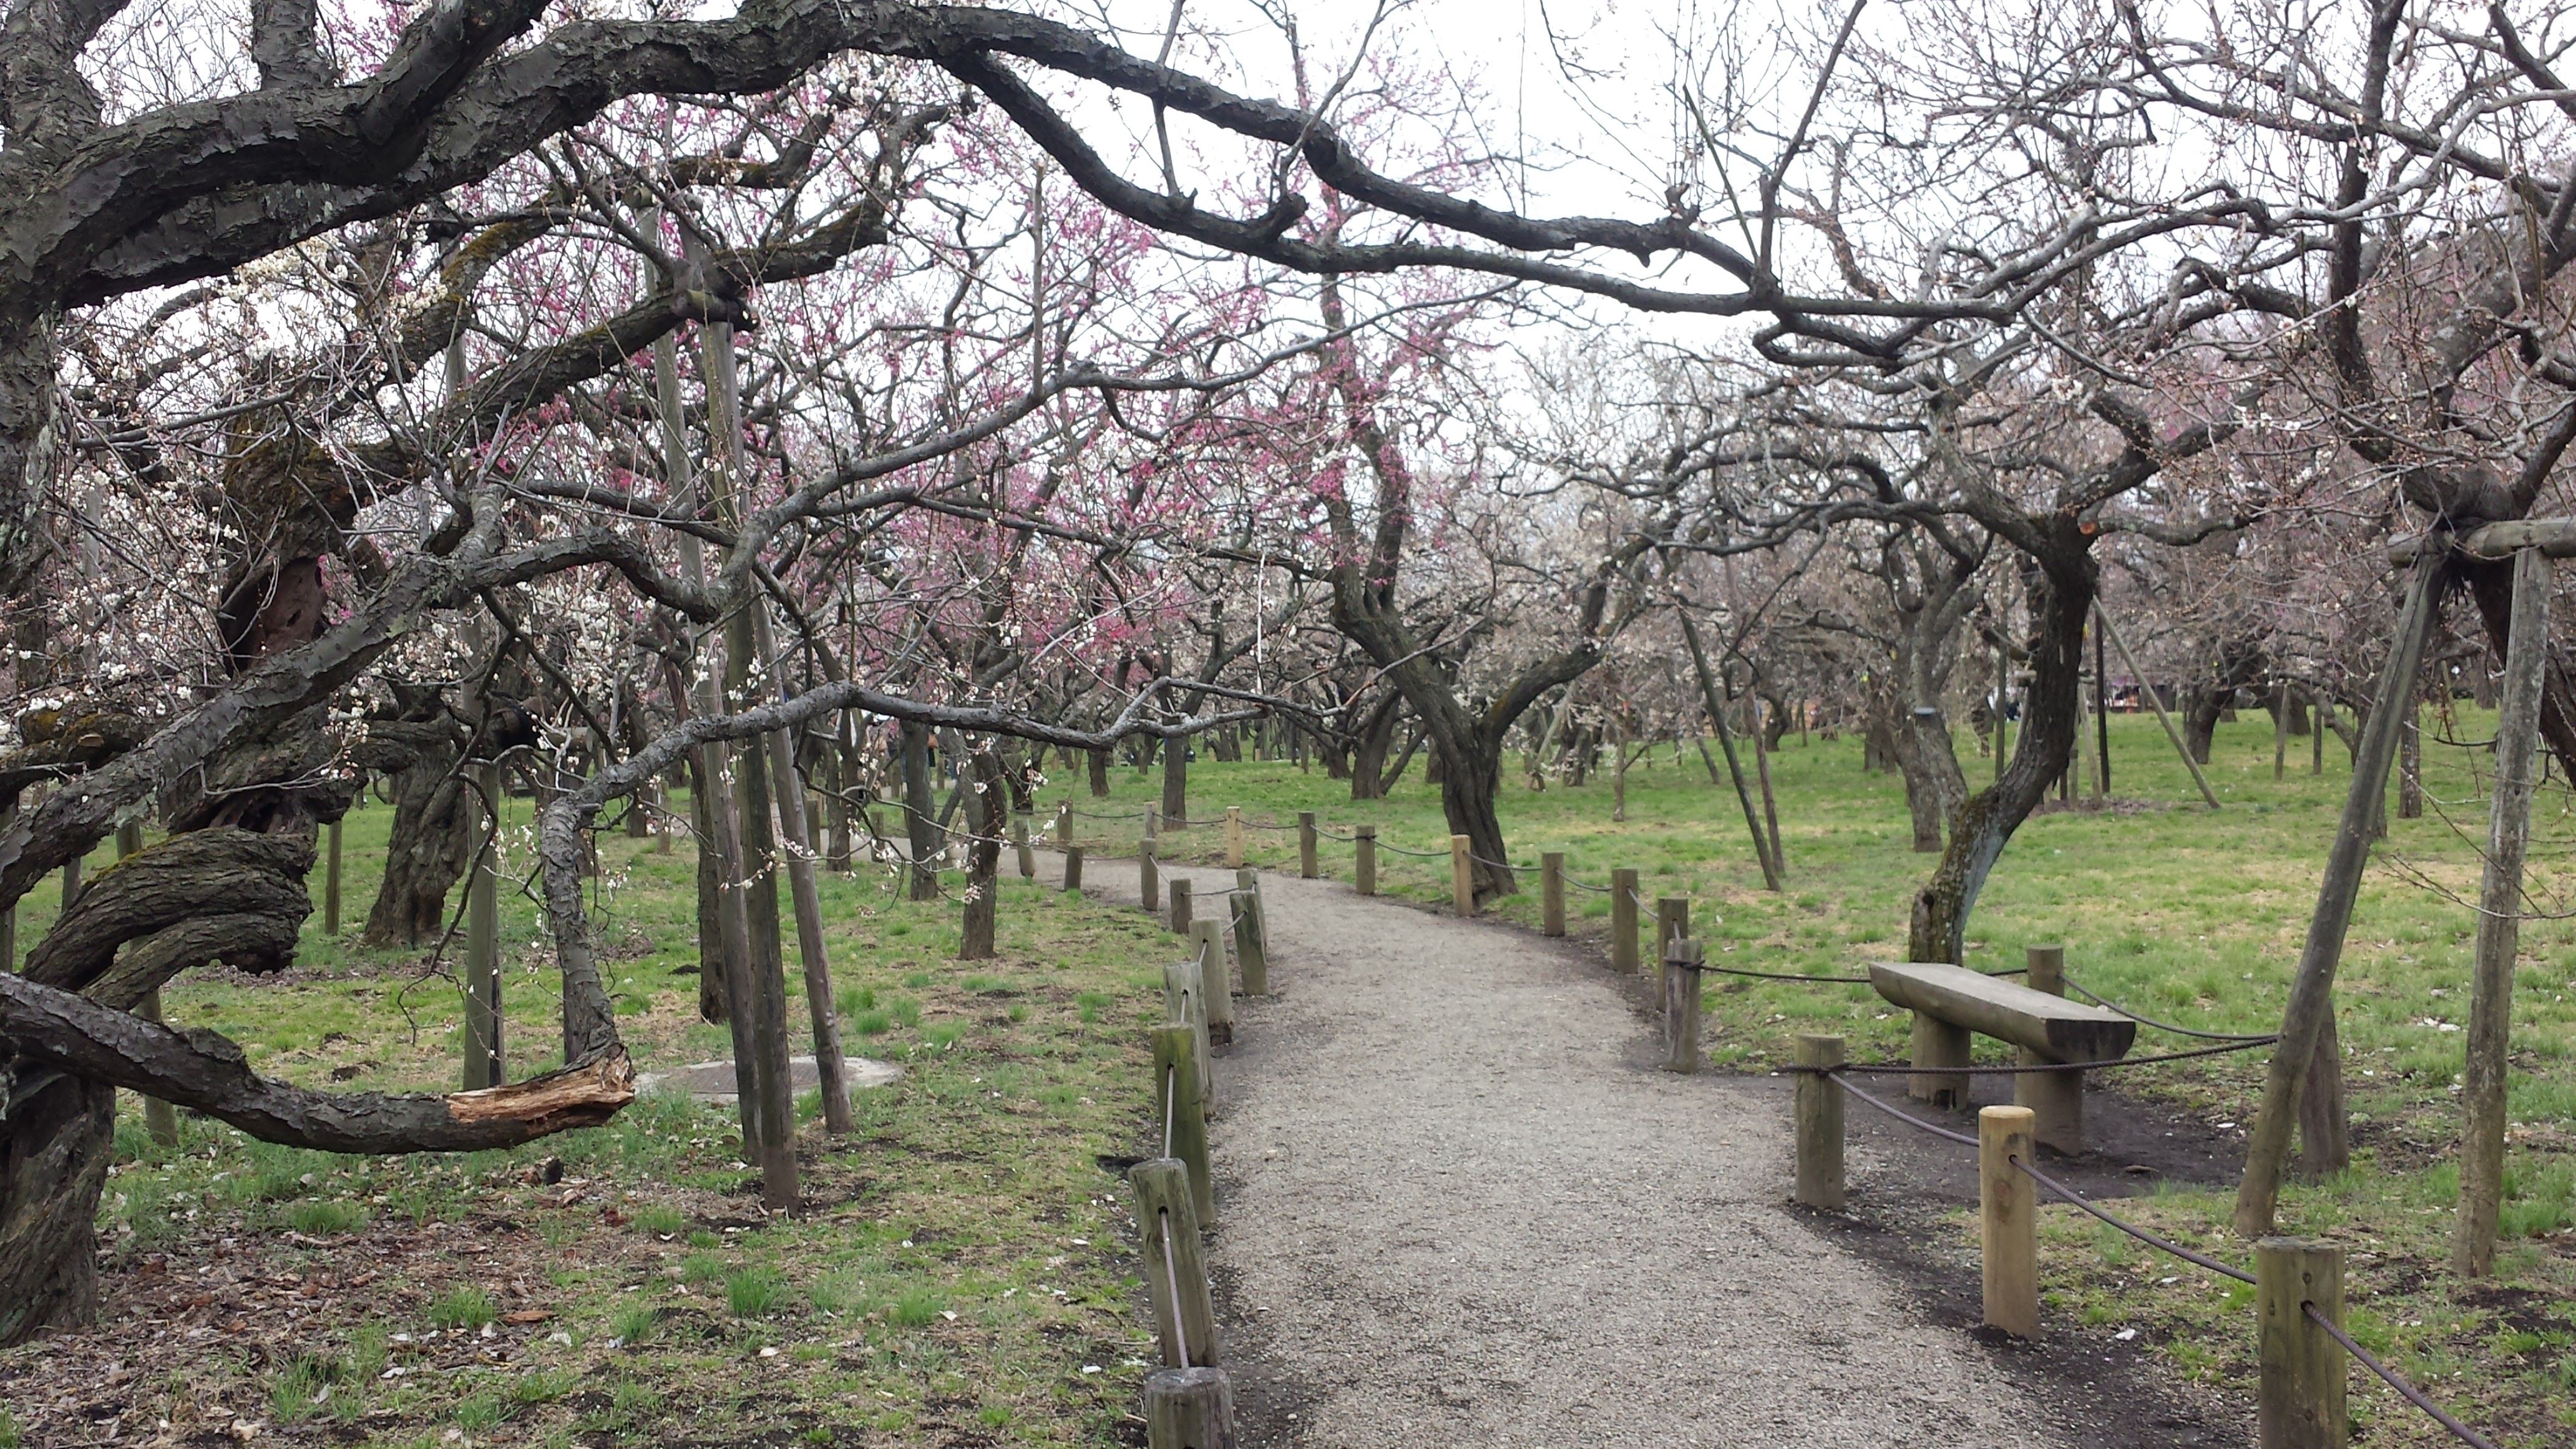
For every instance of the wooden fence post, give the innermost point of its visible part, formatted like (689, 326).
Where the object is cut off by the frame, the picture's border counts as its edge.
(1175, 1263)
(2281, 730)
(1623, 921)
(1820, 1123)
(483, 1066)
(1073, 867)
(1251, 934)
(1189, 1408)
(1234, 837)
(2007, 1226)
(1183, 1113)
(1020, 823)
(1672, 923)
(1306, 844)
(1179, 925)
(331, 879)
(1185, 996)
(1364, 851)
(1462, 877)
(1064, 823)
(1681, 963)
(1217, 990)
(2056, 1099)
(1149, 883)
(1551, 893)
(2299, 1403)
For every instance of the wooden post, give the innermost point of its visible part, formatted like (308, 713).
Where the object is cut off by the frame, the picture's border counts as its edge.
(1819, 1112)
(2410, 763)
(483, 945)
(1179, 924)
(2104, 619)
(1182, 1113)
(1216, 988)
(331, 879)
(2304, 1021)
(1681, 963)
(1234, 837)
(1149, 883)
(2482, 1091)
(1623, 921)
(1462, 877)
(2299, 1403)
(1020, 823)
(1251, 944)
(71, 883)
(1937, 1043)
(2318, 713)
(1189, 1409)
(2007, 1225)
(1064, 823)
(1672, 922)
(1306, 844)
(1364, 852)
(1186, 989)
(1073, 867)
(1551, 893)
(1153, 823)
(2056, 1099)
(160, 1119)
(1175, 1263)
(2281, 731)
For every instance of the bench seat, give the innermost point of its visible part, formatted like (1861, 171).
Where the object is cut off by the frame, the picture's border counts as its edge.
(1949, 1002)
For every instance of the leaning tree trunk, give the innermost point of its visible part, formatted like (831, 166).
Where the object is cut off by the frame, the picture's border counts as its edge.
(53, 1166)
(2047, 745)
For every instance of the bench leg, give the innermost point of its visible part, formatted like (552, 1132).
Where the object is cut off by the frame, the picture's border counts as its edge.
(1938, 1044)
(2056, 1101)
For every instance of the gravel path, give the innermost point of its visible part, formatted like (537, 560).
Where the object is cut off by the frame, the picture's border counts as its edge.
(1461, 1206)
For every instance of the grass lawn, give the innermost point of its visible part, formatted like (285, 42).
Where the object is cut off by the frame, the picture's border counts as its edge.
(2178, 911)
(956, 1276)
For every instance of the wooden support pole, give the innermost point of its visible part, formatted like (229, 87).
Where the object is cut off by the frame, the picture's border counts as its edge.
(1551, 893)
(1234, 837)
(1175, 1263)
(1186, 988)
(71, 882)
(1073, 867)
(2056, 1099)
(1938, 1043)
(1672, 922)
(160, 1119)
(1623, 921)
(331, 879)
(1189, 1409)
(2299, 1403)
(1251, 943)
(1182, 1114)
(1149, 880)
(1819, 1110)
(1306, 867)
(1681, 963)
(1462, 877)
(2281, 731)
(2103, 618)
(1064, 823)
(2044, 969)
(2482, 1092)
(1364, 859)
(1020, 823)
(483, 1062)
(2008, 1228)
(1179, 922)
(1216, 987)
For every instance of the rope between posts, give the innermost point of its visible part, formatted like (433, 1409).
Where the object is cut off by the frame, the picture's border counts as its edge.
(1498, 864)
(2108, 1005)
(1835, 1076)
(2132, 1229)
(1784, 975)
(1172, 1278)
(1893, 1070)
(1416, 854)
(2412, 1394)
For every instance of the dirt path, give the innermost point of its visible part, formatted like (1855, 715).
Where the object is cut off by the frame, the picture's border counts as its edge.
(1462, 1207)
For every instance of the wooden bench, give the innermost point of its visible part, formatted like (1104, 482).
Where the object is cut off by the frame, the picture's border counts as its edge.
(1949, 1002)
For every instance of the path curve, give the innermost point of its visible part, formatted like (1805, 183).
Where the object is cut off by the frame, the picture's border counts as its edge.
(1461, 1206)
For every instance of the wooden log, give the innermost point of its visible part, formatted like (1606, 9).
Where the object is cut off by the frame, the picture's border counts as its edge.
(1175, 1263)
(2482, 1092)
(1185, 995)
(1218, 984)
(2299, 1402)
(330, 879)
(1462, 877)
(2007, 1223)
(2312, 989)
(1681, 970)
(1551, 893)
(1672, 923)
(1149, 880)
(2061, 1030)
(1364, 863)
(1073, 867)
(1623, 921)
(1234, 837)
(1179, 922)
(1020, 823)
(2493, 542)
(1306, 866)
(1181, 1113)
(1251, 943)
(1189, 1409)
(1819, 1112)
